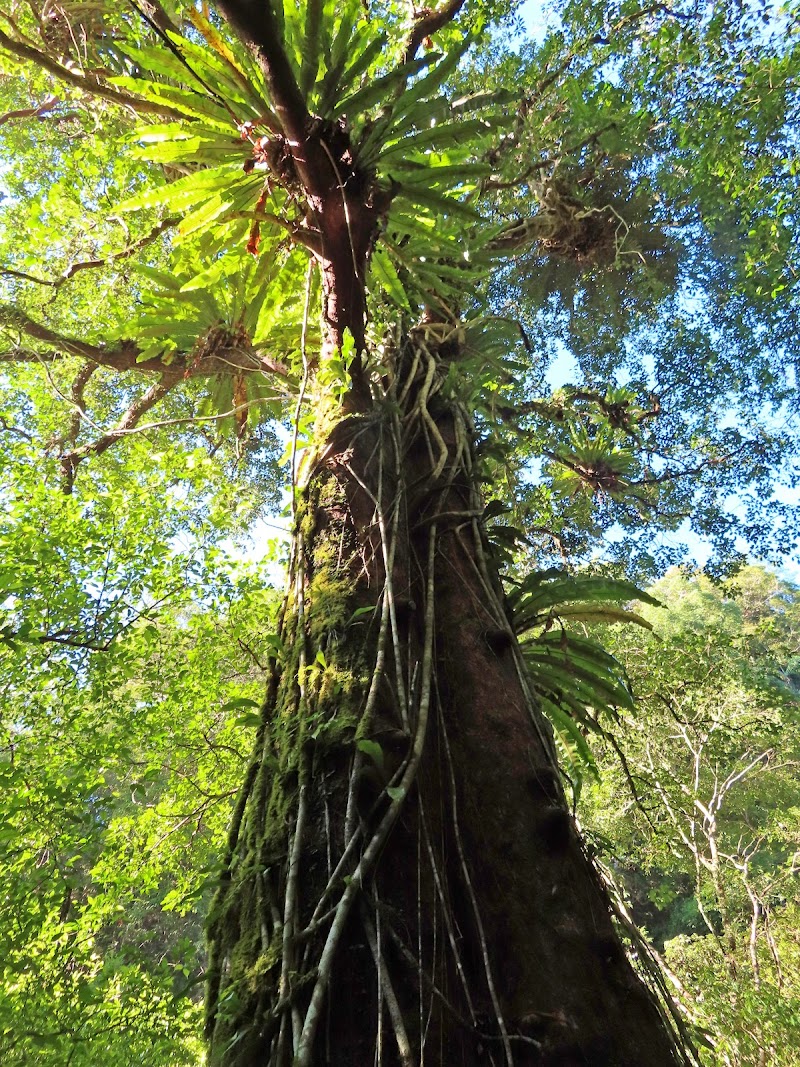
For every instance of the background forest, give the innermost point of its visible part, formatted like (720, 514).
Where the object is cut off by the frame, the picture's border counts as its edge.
(695, 807)
(610, 218)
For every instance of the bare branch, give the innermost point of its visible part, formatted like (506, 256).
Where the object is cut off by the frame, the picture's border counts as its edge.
(9, 272)
(672, 475)
(27, 355)
(38, 111)
(76, 396)
(300, 234)
(194, 420)
(158, 16)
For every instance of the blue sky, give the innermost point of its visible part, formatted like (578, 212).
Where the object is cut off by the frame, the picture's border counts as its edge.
(536, 17)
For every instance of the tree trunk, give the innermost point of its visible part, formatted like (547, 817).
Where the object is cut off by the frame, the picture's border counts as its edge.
(404, 882)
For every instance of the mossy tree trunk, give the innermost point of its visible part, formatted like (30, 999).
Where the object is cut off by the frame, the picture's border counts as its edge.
(404, 882)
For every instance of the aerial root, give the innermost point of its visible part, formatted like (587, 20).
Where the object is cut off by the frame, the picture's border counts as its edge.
(299, 939)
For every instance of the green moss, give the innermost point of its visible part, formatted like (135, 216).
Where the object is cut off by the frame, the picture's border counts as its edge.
(306, 521)
(243, 951)
(330, 492)
(278, 816)
(328, 603)
(264, 964)
(317, 706)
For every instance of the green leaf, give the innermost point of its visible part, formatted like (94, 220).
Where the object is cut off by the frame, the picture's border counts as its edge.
(359, 613)
(442, 205)
(441, 136)
(240, 702)
(587, 613)
(425, 87)
(373, 750)
(186, 191)
(164, 280)
(209, 212)
(380, 90)
(250, 721)
(311, 45)
(387, 277)
(430, 173)
(571, 738)
(539, 592)
(350, 36)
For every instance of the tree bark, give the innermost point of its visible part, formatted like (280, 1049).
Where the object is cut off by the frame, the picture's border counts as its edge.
(404, 882)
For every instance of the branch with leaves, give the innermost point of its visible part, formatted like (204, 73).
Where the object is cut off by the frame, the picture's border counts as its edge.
(126, 356)
(91, 84)
(100, 261)
(71, 460)
(429, 21)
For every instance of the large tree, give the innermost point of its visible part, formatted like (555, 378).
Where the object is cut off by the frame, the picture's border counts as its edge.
(379, 221)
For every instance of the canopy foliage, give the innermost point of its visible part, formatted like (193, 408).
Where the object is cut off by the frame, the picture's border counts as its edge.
(604, 219)
(611, 208)
(701, 816)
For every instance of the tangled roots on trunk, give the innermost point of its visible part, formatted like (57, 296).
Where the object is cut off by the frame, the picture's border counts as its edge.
(403, 880)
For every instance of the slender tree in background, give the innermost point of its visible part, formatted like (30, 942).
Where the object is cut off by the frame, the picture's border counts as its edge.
(708, 835)
(377, 221)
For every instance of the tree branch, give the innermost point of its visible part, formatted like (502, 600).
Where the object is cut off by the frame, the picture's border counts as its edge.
(126, 355)
(90, 264)
(254, 21)
(71, 460)
(6, 427)
(76, 396)
(15, 319)
(94, 88)
(129, 425)
(8, 18)
(428, 22)
(302, 235)
(672, 475)
(158, 16)
(31, 112)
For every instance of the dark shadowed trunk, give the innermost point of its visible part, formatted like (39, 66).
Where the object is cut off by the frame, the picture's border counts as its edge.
(404, 879)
